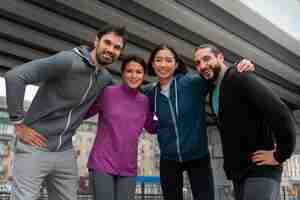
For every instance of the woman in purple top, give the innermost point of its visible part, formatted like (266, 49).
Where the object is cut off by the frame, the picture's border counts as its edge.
(123, 112)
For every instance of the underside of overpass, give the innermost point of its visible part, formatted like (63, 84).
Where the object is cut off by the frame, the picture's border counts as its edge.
(32, 29)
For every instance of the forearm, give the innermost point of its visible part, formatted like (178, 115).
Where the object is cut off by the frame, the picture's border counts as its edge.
(285, 136)
(280, 120)
(29, 73)
(276, 114)
(15, 90)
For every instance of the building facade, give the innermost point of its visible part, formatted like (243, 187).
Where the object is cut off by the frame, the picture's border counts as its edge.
(148, 158)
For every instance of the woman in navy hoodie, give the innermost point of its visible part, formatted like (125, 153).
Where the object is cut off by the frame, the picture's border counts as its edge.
(178, 103)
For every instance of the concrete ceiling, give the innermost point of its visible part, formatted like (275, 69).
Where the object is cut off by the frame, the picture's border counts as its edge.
(32, 29)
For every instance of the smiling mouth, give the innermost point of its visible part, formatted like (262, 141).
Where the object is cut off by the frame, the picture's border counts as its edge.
(164, 72)
(107, 56)
(134, 82)
(206, 73)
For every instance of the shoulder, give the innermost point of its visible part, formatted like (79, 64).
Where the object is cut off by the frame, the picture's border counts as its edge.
(62, 59)
(191, 78)
(143, 97)
(193, 82)
(148, 89)
(107, 75)
(67, 56)
(112, 88)
(241, 80)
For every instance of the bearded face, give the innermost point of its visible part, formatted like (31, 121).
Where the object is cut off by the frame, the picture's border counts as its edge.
(211, 72)
(108, 48)
(208, 64)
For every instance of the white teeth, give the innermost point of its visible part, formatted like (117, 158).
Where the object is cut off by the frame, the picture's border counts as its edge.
(206, 73)
(107, 56)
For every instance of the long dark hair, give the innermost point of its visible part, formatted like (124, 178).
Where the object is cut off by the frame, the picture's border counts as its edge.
(181, 67)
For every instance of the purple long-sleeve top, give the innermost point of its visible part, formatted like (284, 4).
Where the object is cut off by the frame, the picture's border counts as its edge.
(123, 113)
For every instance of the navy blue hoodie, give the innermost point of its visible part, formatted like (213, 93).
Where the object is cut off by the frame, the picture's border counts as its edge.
(182, 127)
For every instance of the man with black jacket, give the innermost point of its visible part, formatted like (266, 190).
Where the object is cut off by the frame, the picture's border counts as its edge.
(70, 81)
(256, 127)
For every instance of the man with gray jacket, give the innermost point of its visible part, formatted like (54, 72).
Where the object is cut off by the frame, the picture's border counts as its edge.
(69, 81)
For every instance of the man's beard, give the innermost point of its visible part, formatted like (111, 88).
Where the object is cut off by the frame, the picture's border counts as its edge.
(216, 72)
(102, 61)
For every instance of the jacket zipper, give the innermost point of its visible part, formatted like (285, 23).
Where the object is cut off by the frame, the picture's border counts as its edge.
(173, 115)
(176, 130)
(70, 112)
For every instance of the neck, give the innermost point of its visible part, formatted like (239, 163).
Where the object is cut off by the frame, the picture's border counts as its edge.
(163, 82)
(129, 89)
(94, 59)
(221, 73)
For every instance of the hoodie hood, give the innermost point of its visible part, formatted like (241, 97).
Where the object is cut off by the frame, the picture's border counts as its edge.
(85, 53)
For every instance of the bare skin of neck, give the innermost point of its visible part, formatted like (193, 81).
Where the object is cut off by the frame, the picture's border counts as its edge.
(93, 56)
(94, 60)
(163, 82)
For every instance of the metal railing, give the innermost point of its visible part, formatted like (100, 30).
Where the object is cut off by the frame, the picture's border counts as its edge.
(146, 194)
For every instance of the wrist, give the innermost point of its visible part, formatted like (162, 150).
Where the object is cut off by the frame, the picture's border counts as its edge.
(18, 125)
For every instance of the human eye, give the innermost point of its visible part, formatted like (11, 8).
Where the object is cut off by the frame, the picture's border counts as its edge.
(117, 47)
(197, 62)
(107, 42)
(169, 60)
(206, 58)
(140, 71)
(157, 59)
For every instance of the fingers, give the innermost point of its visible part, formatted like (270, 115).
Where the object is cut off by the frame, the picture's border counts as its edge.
(263, 163)
(245, 65)
(262, 157)
(30, 136)
(37, 139)
(267, 162)
(260, 152)
(257, 158)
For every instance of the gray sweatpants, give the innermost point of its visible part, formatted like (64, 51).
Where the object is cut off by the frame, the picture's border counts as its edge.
(257, 188)
(32, 166)
(110, 187)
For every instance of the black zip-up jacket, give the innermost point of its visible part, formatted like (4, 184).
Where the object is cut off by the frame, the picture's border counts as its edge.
(251, 117)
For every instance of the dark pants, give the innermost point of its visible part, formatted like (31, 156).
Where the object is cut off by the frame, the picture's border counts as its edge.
(110, 187)
(199, 173)
(257, 188)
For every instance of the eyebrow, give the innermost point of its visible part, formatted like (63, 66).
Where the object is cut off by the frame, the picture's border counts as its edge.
(165, 57)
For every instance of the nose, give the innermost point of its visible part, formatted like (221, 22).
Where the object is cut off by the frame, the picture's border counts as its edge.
(163, 63)
(110, 48)
(134, 75)
(203, 64)
(200, 65)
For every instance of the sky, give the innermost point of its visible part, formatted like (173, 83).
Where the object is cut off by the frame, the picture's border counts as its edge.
(284, 14)
(279, 21)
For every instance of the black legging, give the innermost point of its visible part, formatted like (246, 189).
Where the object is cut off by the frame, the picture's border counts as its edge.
(199, 173)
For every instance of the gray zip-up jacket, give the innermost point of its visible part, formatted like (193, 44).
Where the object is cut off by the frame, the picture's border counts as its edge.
(69, 84)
